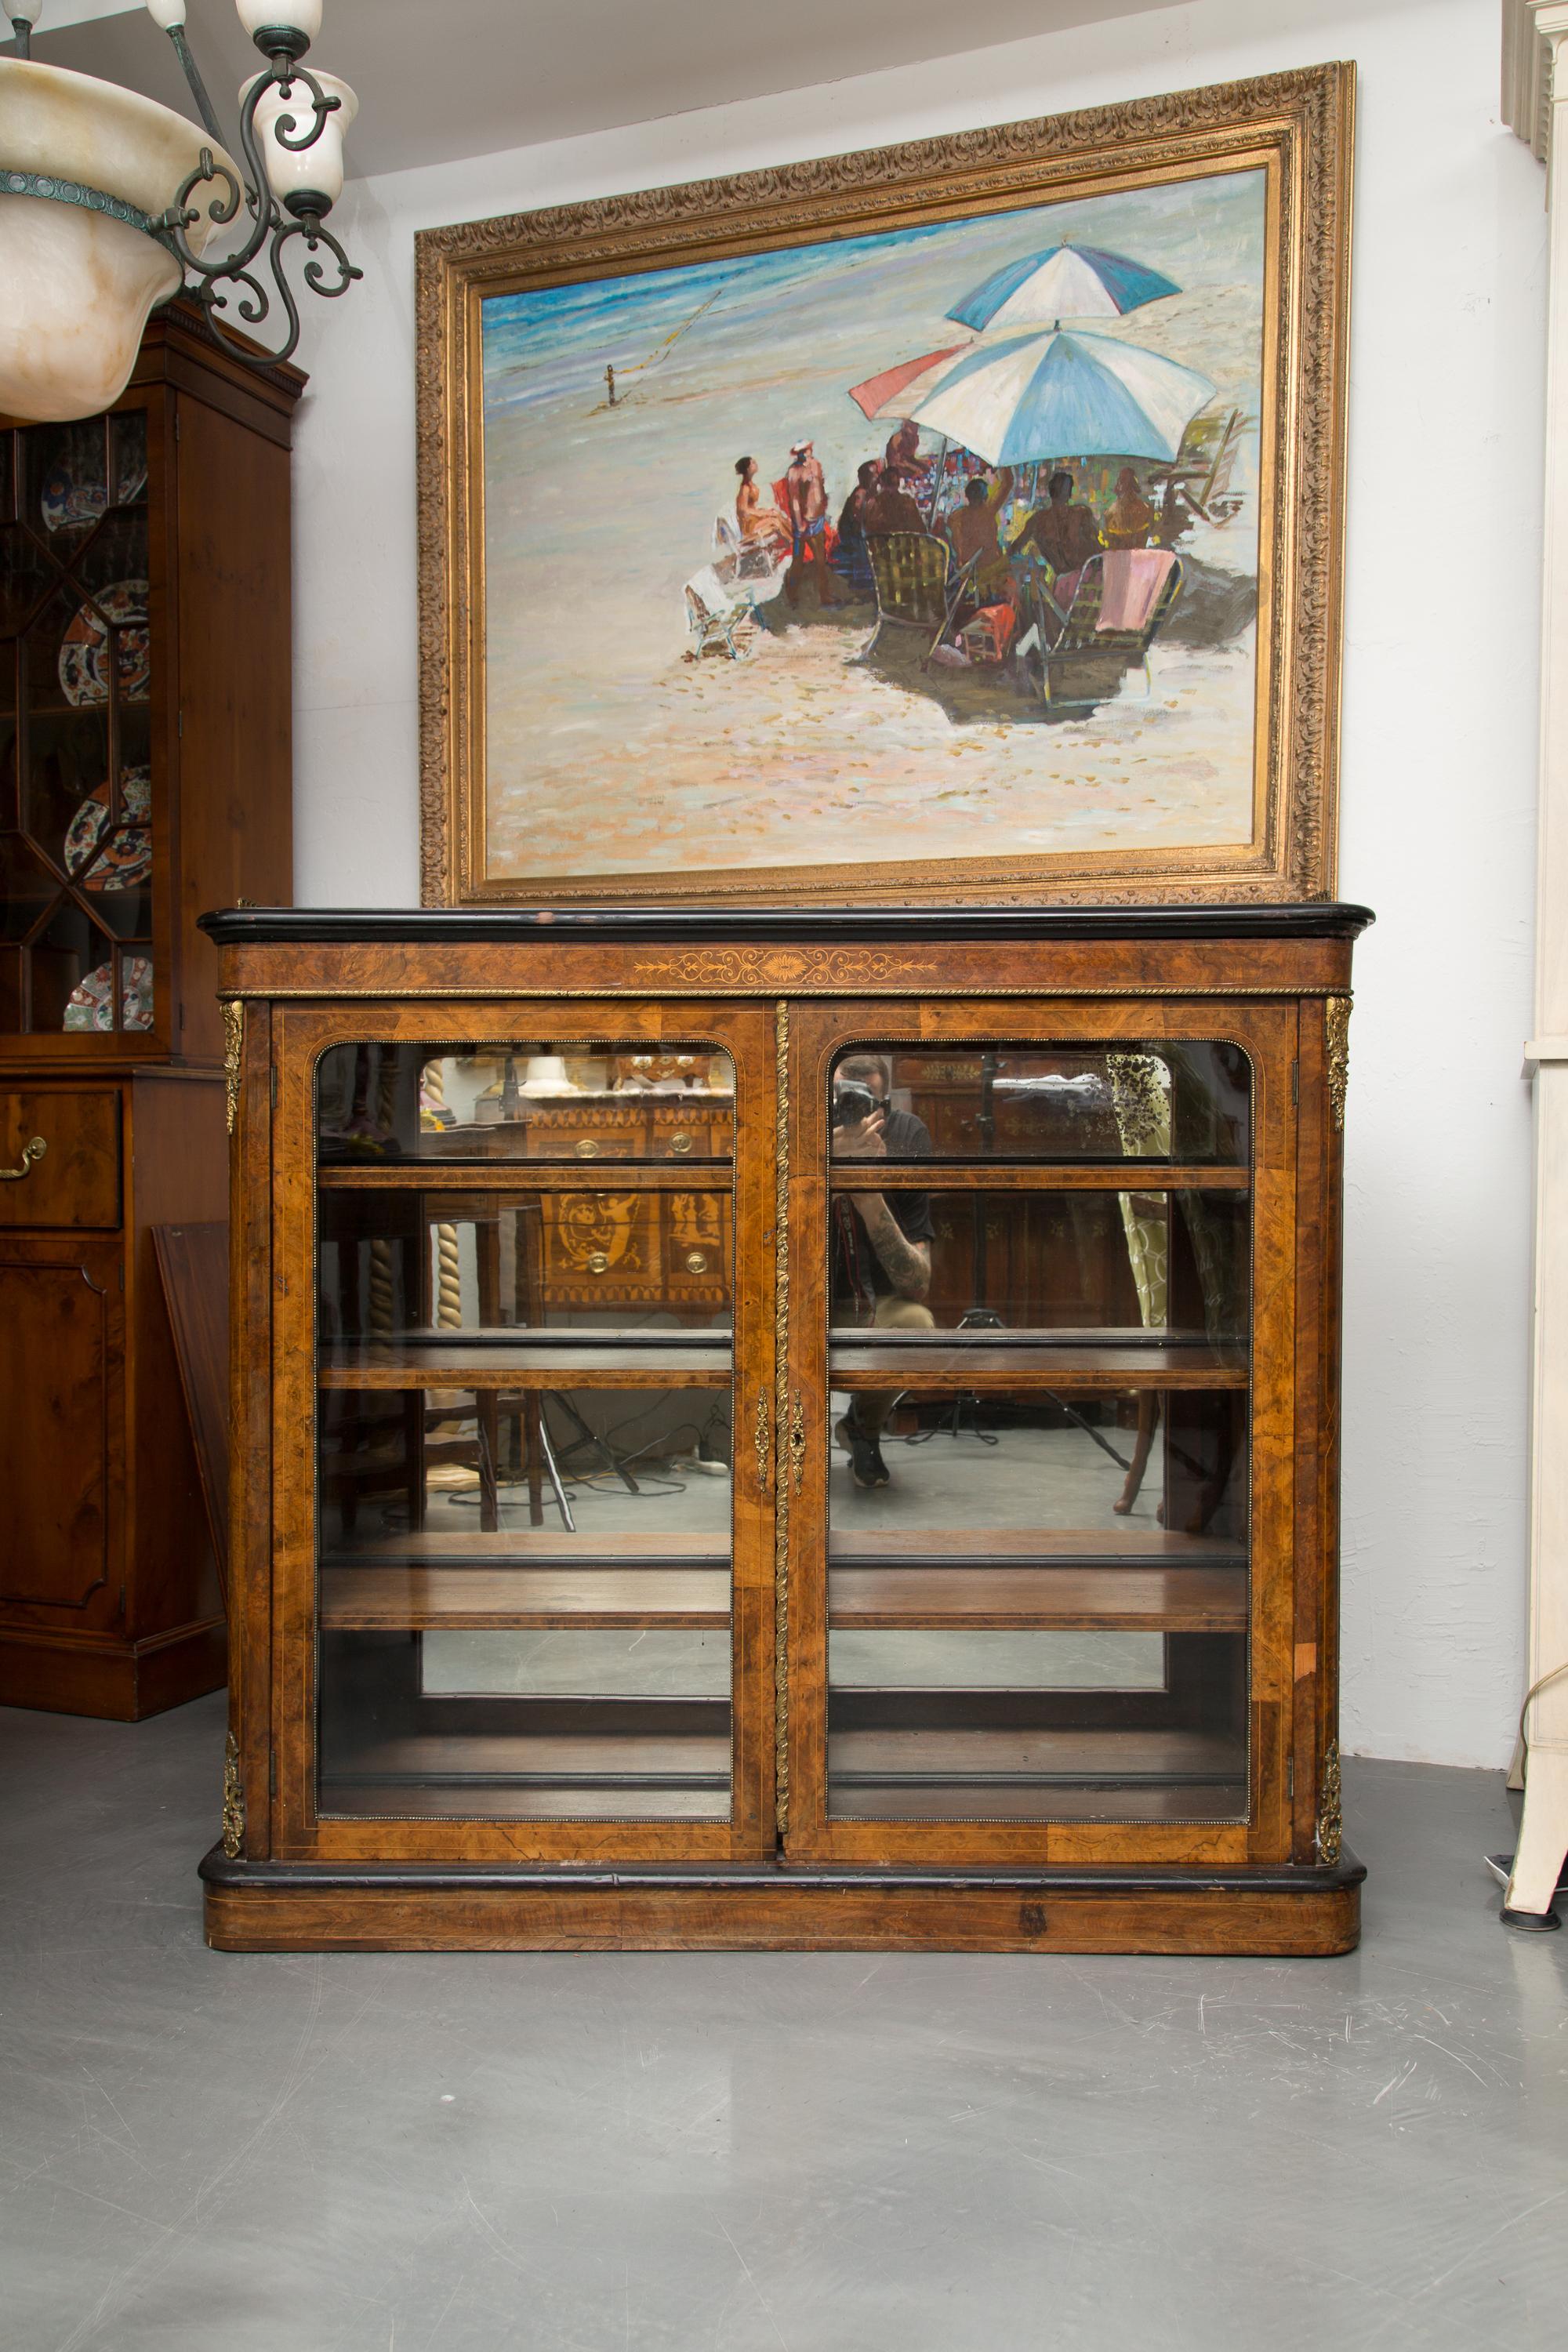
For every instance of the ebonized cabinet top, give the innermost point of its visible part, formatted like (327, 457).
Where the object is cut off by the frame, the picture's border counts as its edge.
(698, 926)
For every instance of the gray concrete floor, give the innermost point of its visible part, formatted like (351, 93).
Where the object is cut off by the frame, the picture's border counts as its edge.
(202, 2153)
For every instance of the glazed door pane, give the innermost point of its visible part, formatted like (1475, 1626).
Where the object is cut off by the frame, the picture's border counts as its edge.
(1037, 1495)
(525, 1483)
(76, 838)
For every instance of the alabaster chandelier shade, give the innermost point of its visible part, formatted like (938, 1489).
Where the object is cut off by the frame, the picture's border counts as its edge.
(294, 172)
(79, 284)
(111, 204)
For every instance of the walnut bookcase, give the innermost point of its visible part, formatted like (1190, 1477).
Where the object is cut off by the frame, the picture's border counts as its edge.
(145, 770)
(561, 1615)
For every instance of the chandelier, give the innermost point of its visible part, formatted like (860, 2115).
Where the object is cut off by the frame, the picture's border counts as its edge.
(110, 204)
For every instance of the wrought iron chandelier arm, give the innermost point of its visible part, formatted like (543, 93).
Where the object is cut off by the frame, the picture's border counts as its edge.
(197, 87)
(224, 208)
(284, 75)
(314, 273)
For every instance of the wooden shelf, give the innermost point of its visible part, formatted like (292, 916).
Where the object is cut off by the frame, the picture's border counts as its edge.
(505, 1801)
(518, 1776)
(1115, 1599)
(473, 1365)
(1034, 1176)
(966, 1548)
(424, 1599)
(1035, 1775)
(1081, 1363)
(509, 1175)
(1170, 1802)
(547, 1546)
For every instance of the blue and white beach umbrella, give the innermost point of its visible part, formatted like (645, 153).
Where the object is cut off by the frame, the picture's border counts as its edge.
(1068, 281)
(1017, 400)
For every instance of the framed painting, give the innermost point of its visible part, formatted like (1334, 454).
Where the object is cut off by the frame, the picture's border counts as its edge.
(958, 521)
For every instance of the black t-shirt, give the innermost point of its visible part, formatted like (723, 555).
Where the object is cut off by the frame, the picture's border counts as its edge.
(858, 1272)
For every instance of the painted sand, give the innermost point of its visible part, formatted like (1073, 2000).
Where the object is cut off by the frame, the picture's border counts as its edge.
(610, 752)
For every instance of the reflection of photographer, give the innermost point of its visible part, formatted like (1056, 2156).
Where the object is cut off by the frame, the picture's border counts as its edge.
(880, 1241)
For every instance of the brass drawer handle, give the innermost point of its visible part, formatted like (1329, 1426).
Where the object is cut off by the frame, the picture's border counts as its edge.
(30, 1151)
(695, 1262)
(588, 1149)
(598, 1263)
(680, 1143)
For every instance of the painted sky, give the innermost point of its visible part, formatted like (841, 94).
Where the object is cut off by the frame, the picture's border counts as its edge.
(596, 518)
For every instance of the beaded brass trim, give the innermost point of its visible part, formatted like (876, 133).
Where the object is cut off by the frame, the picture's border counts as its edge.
(781, 1384)
(1337, 1044)
(233, 1009)
(1331, 1820)
(233, 1801)
(761, 1440)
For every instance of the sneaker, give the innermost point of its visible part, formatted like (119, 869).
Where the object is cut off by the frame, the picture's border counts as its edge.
(867, 1466)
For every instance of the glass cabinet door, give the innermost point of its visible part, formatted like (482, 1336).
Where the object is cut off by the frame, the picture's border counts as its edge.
(76, 775)
(525, 1501)
(1038, 1339)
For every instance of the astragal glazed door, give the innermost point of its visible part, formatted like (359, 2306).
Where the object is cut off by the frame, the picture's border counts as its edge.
(1037, 1567)
(523, 1431)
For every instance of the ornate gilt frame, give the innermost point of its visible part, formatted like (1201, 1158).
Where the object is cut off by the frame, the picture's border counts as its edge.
(1297, 126)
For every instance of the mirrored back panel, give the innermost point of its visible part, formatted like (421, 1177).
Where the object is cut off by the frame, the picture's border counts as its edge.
(525, 1434)
(1039, 1313)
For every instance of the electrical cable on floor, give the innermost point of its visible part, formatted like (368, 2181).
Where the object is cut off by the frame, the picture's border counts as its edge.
(1531, 1695)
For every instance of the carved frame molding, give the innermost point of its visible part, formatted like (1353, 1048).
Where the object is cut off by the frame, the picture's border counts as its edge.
(1298, 124)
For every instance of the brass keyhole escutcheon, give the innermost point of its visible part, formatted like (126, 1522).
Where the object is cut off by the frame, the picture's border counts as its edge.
(598, 1263)
(695, 1262)
(682, 1142)
(588, 1149)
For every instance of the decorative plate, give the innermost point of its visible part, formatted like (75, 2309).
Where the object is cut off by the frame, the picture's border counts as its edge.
(123, 861)
(67, 503)
(89, 1006)
(84, 649)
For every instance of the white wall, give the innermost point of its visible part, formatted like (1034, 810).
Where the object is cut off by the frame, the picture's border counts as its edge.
(1439, 722)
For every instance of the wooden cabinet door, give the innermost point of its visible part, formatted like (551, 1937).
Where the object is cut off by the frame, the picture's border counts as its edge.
(61, 1442)
(495, 1374)
(1041, 1541)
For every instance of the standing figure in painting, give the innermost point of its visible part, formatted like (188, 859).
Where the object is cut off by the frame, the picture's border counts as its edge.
(1132, 517)
(853, 562)
(972, 530)
(891, 509)
(1065, 535)
(806, 490)
(759, 525)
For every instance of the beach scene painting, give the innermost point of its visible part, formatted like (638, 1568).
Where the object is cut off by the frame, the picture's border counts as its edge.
(846, 563)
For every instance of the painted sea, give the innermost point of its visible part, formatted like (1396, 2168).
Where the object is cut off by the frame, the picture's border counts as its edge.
(615, 745)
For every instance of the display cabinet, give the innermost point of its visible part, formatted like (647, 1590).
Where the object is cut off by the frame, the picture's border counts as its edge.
(145, 770)
(763, 1428)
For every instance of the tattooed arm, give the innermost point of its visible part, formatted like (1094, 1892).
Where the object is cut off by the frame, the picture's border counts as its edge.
(905, 1264)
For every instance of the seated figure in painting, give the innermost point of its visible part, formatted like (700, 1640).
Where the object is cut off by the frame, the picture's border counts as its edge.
(891, 508)
(881, 1244)
(972, 528)
(902, 456)
(1066, 534)
(759, 525)
(1132, 517)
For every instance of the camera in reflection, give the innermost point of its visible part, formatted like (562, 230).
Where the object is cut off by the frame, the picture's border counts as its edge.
(852, 1102)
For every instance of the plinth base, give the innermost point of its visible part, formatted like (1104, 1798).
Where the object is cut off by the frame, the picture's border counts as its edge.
(291, 1906)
